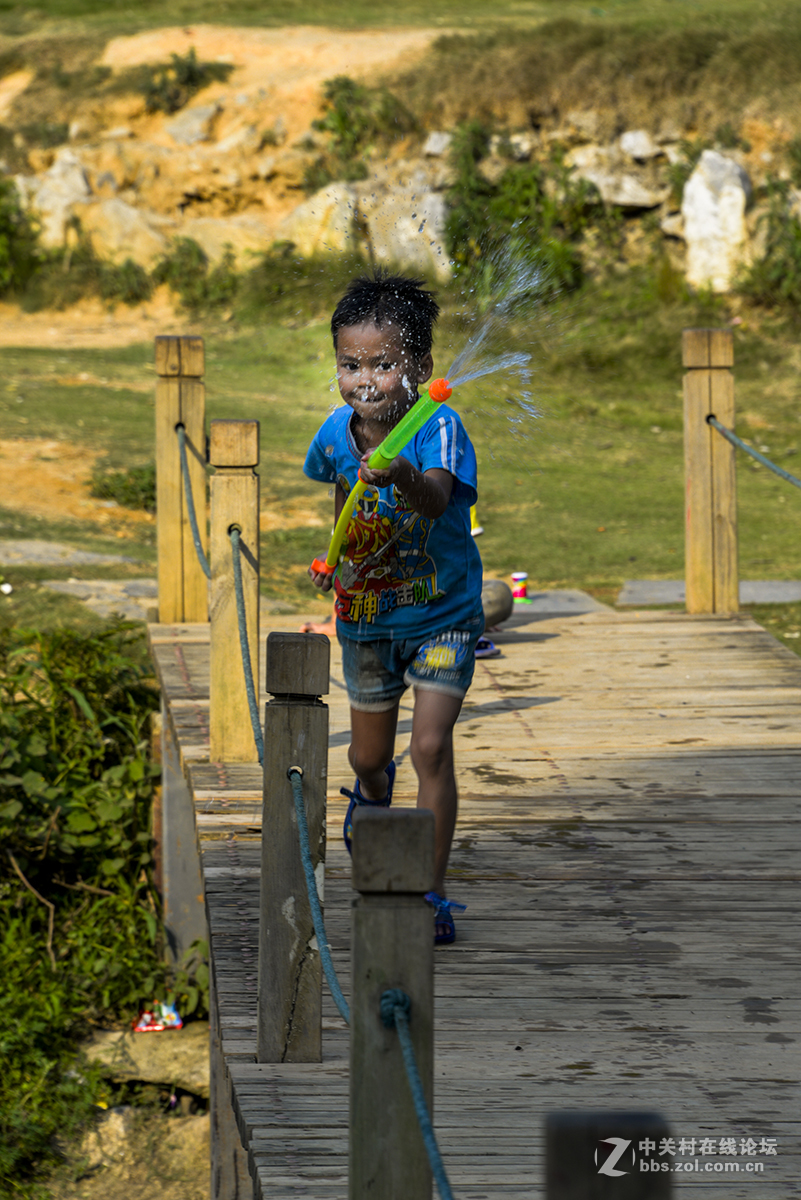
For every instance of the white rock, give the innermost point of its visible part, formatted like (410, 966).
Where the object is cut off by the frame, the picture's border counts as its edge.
(407, 229)
(108, 1141)
(119, 133)
(118, 230)
(437, 144)
(245, 234)
(178, 1056)
(639, 145)
(601, 166)
(193, 124)
(672, 225)
(324, 223)
(715, 199)
(794, 198)
(519, 144)
(247, 138)
(52, 198)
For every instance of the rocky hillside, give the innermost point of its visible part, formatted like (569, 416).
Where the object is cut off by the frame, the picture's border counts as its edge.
(231, 162)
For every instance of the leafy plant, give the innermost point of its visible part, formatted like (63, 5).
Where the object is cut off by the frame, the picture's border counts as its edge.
(63, 277)
(356, 117)
(679, 172)
(541, 207)
(187, 271)
(81, 928)
(775, 279)
(169, 88)
(19, 249)
(132, 488)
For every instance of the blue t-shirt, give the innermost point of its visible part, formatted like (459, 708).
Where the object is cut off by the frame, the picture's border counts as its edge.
(403, 575)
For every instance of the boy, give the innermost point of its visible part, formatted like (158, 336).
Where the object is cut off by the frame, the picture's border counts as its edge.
(408, 590)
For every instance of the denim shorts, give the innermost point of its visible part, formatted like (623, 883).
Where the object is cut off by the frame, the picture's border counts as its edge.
(377, 673)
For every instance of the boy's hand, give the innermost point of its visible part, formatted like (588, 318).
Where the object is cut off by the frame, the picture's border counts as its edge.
(322, 579)
(382, 478)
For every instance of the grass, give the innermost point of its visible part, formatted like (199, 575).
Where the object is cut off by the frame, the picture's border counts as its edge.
(587, 495)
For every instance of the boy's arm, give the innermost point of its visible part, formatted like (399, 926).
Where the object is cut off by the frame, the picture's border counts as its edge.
(427, 492)
(321, 579)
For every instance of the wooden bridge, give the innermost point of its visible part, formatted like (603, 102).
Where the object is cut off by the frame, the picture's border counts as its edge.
(628, 849)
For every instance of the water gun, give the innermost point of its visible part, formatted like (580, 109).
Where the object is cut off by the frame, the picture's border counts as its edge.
(411, 423)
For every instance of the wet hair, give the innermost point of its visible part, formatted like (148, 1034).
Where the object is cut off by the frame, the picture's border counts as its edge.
(390, 299)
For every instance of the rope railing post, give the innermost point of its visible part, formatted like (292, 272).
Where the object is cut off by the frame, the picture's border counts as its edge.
(711, 573)
(289, 1009)
(392, 947)
(180, 401)
(233, 452)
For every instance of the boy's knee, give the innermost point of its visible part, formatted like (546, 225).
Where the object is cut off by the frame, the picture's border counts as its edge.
(369, 760)
(431, 750)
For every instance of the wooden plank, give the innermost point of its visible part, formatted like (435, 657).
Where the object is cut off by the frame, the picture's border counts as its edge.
(724, 499)
(193, 418)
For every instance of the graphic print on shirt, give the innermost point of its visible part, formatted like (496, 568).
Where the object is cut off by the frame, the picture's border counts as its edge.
(385, 560)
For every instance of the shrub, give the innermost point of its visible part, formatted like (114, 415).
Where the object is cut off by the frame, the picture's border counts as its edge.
(133, 488)
(540, 207)
(356, 118)
(186, 271)
(775, 279)
(19, 249)
(168, 88)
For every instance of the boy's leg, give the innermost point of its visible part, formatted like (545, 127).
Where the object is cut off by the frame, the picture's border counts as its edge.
(435, 715)
(372, 744)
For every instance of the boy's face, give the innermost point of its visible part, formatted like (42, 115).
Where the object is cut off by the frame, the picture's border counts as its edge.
(377, 376)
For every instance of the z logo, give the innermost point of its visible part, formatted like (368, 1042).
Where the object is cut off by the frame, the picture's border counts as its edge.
(608, 1168)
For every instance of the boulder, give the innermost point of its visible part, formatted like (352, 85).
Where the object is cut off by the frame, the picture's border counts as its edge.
(672, 225)
(714, 209)
(246, 235)
(192, 124)
(63, 186)
(497, 601)
(176, 1058)
(118, 231)
(639, 145)
(616, 184)
(324, 223)
(108, 1140)
(437, 144)
(406, 229)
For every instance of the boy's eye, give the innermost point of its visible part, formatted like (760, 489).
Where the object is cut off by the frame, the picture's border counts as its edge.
(387, 366)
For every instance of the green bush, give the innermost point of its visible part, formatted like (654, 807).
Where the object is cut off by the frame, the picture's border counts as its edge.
(356, 119)
(64, 277)
(775, 279)
(169, 88)
(19, 248)
(186, 270)
(539, 207)
(133, 488)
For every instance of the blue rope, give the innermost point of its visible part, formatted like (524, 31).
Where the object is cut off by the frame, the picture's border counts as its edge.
(294, 774)
(253, 704)
(395, 1009)
(190, 504)
(735, 441)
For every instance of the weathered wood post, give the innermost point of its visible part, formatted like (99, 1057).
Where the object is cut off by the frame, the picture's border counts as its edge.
(393, 947)
(233, 452)
(289, 1016)
(711, 576)
(180, 400)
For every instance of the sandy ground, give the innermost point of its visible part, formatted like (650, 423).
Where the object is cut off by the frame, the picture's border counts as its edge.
(91, 324)
(279, 71)
(51, 479)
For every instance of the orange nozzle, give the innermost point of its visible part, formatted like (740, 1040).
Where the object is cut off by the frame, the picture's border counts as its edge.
(321, 567)
(440, 391)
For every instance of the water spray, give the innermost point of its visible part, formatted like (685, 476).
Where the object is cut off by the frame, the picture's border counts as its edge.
(410, 424)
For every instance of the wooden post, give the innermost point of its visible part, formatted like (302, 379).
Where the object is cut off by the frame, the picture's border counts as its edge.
(606, 1156)
(393, 946)
(234, 452)
(712, 584)
(180, 400)
(289, 1016)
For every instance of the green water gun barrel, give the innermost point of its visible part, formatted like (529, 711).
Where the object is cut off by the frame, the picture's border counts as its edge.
(411, 423)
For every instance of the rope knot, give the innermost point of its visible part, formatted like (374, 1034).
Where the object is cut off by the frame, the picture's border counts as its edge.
(394, 998)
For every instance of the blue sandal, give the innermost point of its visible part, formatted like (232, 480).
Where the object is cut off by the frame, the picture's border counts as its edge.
(356, 797)
(443, 918)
